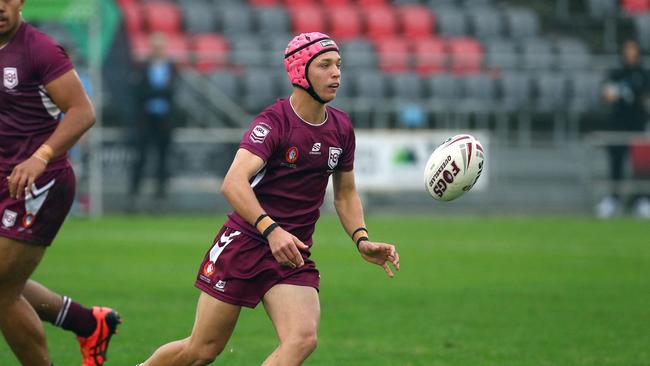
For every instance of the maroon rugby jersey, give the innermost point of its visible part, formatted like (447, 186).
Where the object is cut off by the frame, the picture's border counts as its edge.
(299, 160)
(28, 116)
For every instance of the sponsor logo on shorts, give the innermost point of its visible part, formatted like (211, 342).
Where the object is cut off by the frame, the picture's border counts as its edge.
(259, 133)
(10, 79)
(335, 153)
(9, 218)
(220, 286)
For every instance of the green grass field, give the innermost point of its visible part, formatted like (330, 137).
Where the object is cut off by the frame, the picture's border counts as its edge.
(472, 291)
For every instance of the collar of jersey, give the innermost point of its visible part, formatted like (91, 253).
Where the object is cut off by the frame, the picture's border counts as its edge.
(309, 123)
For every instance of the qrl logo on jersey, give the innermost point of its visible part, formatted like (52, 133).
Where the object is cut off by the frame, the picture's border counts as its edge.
(259, 133)
(335, 153)
(446, 177)
(10, 77)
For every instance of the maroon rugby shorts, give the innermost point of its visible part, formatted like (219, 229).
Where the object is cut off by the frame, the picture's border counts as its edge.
(38, 217)
(240, 269)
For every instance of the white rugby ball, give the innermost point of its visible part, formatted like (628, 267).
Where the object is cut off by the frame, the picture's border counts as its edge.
(454, 167)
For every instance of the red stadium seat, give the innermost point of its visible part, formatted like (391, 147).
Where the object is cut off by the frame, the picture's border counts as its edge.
(380, 22)
(393, 54)
(307, 19)
(370, 3)
(334, 3)
(210, 52)
(162, 17)
(430, 55)
(417, 21)
(263, 2)
(344, 22)
(132, 15)
(466, 55)
(636, 6)
(300, 3)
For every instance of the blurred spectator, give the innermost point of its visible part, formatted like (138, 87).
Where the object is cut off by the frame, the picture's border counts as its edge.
(155, 89)
(627, 90)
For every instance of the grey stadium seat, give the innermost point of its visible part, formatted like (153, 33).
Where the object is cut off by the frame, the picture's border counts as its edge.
(515, 91)
(358, 53)
(538, 54)
(369, 84)
(486, 22)
(521, 23)
(259, 89)
(600, 9)
(406, 87)
(236, 20)
(198, 16)
(451, 21)
(271, 20)
(642, 25)
(585, 90)
(227, 82)
(444, 91)
(551, 91)
(501, 54)
(247, 50)
(275, 44)
(479, 91)
(572, 54)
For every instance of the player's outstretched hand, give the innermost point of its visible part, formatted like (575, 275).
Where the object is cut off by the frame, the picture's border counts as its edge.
(23, 176)
(286, 248)
(380, 254)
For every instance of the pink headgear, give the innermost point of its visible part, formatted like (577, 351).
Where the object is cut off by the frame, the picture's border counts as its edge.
(300, 52)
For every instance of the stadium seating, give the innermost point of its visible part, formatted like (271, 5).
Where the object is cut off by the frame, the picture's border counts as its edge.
(344, 22)
(381, 22)
(416, 21)
(162, 17)
(450, 55)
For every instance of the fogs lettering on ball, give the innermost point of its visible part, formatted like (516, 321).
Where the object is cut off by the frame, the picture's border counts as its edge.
(454, 167)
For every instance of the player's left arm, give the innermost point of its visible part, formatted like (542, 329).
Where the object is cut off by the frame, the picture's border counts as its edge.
(68, 94)
(350, 211)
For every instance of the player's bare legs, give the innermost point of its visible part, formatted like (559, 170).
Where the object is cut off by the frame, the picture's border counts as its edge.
(295, 312)
(47, 303)
(214, 323)
(20, 324)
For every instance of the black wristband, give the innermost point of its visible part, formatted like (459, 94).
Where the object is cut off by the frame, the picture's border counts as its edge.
(360, 240)
(260, 218)
(268, 230)
(359, 229)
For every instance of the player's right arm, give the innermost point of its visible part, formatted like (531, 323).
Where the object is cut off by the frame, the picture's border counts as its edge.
(237, 190)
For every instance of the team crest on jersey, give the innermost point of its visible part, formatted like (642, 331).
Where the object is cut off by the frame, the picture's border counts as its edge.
(208, 269)
(259, 133)
(291, 155)
(10, 79)
(9, 218)
(335, 153)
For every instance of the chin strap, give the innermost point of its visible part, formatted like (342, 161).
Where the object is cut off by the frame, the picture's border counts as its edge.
(312, 92)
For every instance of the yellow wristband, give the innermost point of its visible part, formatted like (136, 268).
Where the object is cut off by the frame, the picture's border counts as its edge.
(264, 224)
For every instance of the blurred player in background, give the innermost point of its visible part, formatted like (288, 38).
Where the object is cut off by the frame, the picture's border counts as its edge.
(276, 185)
(627, 90)
(155, 88)
(37, 187)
